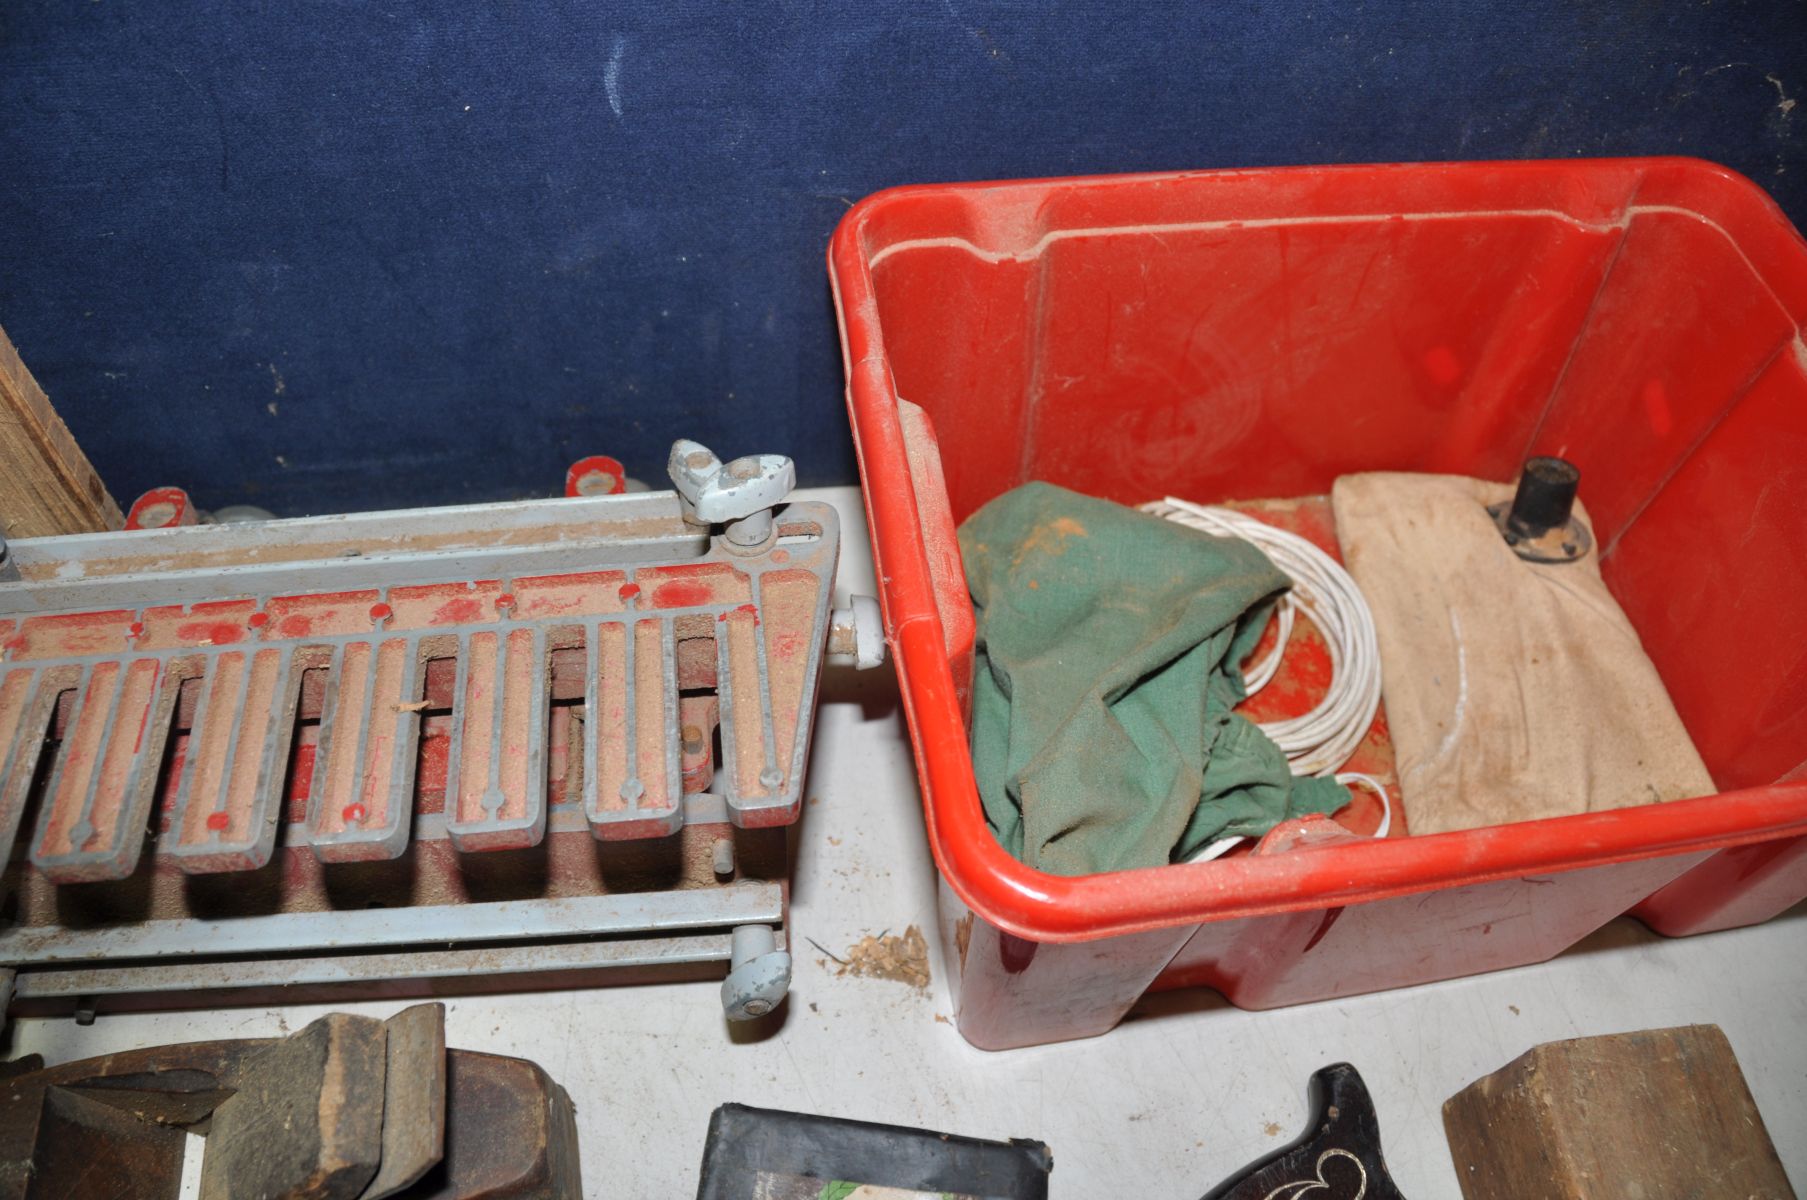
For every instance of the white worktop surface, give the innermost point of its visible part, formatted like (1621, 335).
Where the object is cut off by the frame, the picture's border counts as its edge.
(1187, 1090)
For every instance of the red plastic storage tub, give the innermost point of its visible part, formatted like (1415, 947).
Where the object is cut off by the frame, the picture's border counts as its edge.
(1232, 335)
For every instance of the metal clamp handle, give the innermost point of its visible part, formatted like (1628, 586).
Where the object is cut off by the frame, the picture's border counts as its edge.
(740, 494)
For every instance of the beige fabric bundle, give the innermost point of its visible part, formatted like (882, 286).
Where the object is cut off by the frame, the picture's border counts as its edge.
(1514, 690)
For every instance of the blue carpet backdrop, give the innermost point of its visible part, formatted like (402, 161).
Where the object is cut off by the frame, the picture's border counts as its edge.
(325, 256)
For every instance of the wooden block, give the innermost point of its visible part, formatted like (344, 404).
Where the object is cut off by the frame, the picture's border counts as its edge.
(510, 1132)
(88, 1149)
(307, 1121)
(312, 1116)
(46, 484)
(414, 1100)
(1656, 1114)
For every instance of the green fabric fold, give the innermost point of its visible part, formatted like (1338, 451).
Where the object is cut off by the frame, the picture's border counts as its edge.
(1109, 650)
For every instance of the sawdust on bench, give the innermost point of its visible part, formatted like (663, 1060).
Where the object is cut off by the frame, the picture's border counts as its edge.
(903, 959)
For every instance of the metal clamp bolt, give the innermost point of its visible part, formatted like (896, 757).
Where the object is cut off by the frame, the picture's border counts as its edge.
(858, 631)
(739, 495)
(759, 973)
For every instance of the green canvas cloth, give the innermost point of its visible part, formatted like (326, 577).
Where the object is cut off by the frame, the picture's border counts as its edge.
(1109, 651)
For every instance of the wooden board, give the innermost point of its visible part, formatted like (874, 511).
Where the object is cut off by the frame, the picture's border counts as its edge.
(46, 484)
(1655, 1114)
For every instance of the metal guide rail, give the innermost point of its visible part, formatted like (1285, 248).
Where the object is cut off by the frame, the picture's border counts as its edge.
(198, 701)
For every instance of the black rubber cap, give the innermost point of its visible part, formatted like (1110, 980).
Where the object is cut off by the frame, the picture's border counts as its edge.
(1545, 497)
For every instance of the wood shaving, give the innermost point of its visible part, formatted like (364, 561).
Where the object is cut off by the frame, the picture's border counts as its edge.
(902, 959)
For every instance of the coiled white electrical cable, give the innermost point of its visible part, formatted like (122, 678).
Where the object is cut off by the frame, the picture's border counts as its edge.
(1323, 739)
